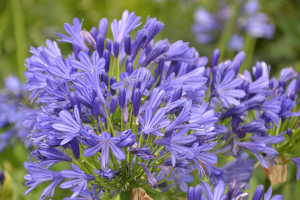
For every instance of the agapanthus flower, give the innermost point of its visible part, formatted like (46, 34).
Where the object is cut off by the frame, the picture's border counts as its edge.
(208, 25)
(259, 193)
(131, 112)
(12, 118)
(106, 143)
(226, 89)
(79, 182)
(37, 175)
(152, 125)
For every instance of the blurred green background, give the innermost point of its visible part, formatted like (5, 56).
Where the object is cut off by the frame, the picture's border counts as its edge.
(25, 23)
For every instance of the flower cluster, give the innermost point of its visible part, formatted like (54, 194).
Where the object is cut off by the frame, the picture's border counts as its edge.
(11, 118)
(208, 26)
(233, 192)
(133, 113)
(130, 110)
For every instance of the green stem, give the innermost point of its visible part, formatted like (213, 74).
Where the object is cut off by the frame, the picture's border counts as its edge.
(249, 50)
(228, 29)
(19, 30)
(96, 124)
(108, 121)
(118, 69)
(122, 121)
(127, 195)
(166, 177)
(267, 184)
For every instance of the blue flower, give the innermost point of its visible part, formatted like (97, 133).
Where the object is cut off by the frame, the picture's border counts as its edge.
(37, 175)
(127, 139)
(194, 194)
(50, 156)
(84, 195)
(297, 163)
(85, 65)
(79, 182)
(175, 144)
(152, 125)
(253, 147)
(107, 142)
(128, 23)
(259, 193)
(70, 128)
(144, 153)
(74, 31)
(208, 25)
(180, 51)
(180, 177)
(218, 190)
(239, 169)
(226, 89)
(109, 174)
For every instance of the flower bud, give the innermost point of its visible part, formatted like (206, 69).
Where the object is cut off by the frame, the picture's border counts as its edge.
(122, 97)
(127, 44)
(104, 78)
(106, 56)
(113, 104)
(116, 49)
(215, 58)
(136, 101)
(108, 45)
(112, 81)
(100, 45)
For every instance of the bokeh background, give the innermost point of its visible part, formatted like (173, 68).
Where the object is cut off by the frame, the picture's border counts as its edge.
(25, 23)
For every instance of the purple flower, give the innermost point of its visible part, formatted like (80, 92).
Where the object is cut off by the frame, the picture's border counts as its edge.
(253, 147)
(215, 58)
(159, 48)
(106, 142)
(136, 101)
(79, 182)
(297, 163)
(286, 106)
(255, 127)
(151, 180)
(236, 42)
(86, 65)
(139, 41)
(109, 174)
(50, 156)
(287, 74)
(184, 116)
(84, 195)
(70, 128)
(208, 26)
(180, 177)
(195, 194)
(239, 169)
(37, 175)
(152, 125)
(180, 51)
(218, 190)
(259, 193)
(144, 153)
(175, 144)
(127, 139)
(198, 153)
(226, 89)
(124, 26)
(153, 27)
(74, 31)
